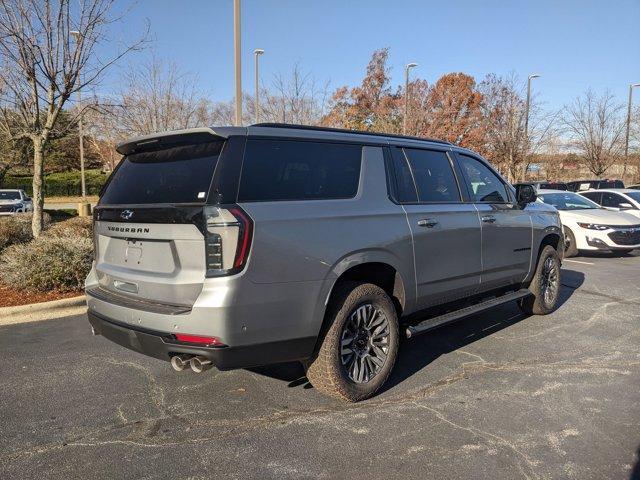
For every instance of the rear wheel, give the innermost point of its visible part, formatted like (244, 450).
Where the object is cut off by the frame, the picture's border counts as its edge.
(360, 348)
(570, 248)
(545, 286)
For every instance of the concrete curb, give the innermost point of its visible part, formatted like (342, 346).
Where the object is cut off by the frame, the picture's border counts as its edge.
(34, 308)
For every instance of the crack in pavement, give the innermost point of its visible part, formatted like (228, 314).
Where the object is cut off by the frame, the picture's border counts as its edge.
(489, 437)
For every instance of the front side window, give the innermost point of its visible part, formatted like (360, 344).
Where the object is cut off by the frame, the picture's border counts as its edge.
(433, 176)
(484, 185)
(299, 170)
(611, 200)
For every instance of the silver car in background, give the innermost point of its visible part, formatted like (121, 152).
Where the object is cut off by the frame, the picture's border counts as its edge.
(14, 201)
(237, 247)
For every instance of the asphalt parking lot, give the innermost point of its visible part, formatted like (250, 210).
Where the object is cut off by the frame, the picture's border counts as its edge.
(499, 395)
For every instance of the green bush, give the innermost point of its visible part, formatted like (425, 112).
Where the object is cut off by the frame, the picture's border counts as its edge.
(62, 184)
(16, 229)
(47, 263)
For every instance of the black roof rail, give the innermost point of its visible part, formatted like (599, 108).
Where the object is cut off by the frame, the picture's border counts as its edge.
(344, 130)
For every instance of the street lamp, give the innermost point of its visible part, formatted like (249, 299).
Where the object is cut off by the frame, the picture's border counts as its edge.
(257, 52)
(78, 37)
(526, 115)
(526, 118)
(237, 64)
(406, 95)
(626, 140)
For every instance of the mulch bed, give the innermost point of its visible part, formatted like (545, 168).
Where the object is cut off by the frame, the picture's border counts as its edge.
(10, 297)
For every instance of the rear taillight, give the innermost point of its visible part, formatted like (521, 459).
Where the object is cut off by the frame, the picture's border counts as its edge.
(200, 340)
(228, 232)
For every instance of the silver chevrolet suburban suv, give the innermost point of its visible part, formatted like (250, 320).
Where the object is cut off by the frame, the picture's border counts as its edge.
(237, 247)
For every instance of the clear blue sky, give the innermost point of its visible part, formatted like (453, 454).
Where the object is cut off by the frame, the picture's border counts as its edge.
(574, 45)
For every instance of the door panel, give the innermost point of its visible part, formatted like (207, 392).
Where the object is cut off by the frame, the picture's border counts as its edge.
(447, 251)
(506, 244)
(506, 228)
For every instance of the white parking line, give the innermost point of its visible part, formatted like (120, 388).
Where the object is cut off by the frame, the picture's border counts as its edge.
(578, 261)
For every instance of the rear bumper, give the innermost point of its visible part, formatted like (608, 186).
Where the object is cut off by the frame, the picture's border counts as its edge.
(162, 346)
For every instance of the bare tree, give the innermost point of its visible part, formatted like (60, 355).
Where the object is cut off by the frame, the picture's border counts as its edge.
(41, 66)
(595, 128)
(158, 96)
(296, 98)
(503, 110)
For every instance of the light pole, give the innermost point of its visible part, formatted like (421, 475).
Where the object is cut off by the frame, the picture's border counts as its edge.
(237, 64)
(626, 139)
(257, 52)
(526, 120)
(78, 37)
(406, 95)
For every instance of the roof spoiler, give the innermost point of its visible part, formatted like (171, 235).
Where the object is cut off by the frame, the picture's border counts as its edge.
(157, 141)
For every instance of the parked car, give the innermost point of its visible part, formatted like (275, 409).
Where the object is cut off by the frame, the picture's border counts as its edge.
(617, 200)
(14, 201)
(547, 185)
(237, 247)
(590, 227)
(584, 185)
(634, 187)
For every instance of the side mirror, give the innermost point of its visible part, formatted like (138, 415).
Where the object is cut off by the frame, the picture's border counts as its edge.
(525, 194)
(626, 206)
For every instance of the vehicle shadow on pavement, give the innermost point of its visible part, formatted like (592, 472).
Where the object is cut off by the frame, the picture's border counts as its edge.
(417, 353)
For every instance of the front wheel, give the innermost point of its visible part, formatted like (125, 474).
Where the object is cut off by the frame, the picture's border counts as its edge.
(360, 348)
(570, 247)
(545, 286)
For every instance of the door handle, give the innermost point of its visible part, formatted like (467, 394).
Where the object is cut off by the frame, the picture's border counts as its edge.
(488, 219)
(427, 222)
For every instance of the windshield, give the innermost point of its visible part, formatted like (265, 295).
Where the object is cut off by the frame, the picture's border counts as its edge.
(568, 201)
(9, 195)
(173, 175)
(634, 195)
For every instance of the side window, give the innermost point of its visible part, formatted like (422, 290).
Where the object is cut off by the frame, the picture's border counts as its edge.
(611, 200)
(433, 175)
(405, 186)
(297, 170)
(483, 184)
(595, 196)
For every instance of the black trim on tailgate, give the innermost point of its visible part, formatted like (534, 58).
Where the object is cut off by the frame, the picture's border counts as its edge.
(136, 303)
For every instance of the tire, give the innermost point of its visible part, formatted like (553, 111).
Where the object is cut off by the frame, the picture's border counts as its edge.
(547, 274)
(334, 371)
(570, 249)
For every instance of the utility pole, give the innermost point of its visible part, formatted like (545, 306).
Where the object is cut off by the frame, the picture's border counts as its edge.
(626, 139)
(526, 120)
(83, 210)
(406, 96)
(237, 64)
(257, 52)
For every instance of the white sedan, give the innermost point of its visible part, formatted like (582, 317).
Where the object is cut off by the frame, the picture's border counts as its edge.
(14, 201)
(590, 227)
(616, 199)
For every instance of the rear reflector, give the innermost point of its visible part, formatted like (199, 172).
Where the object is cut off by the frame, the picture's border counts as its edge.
(208, 341)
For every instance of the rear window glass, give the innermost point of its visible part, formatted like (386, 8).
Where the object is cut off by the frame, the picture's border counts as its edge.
(294, 170)
(174, 175)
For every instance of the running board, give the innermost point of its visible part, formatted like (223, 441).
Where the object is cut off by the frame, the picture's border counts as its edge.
(440, 320)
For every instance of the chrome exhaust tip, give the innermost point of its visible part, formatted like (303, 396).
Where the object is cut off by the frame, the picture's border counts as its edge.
(180, 362)
(200, 364)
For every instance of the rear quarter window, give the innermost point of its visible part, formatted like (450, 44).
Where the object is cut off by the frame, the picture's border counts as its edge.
(299, 170)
